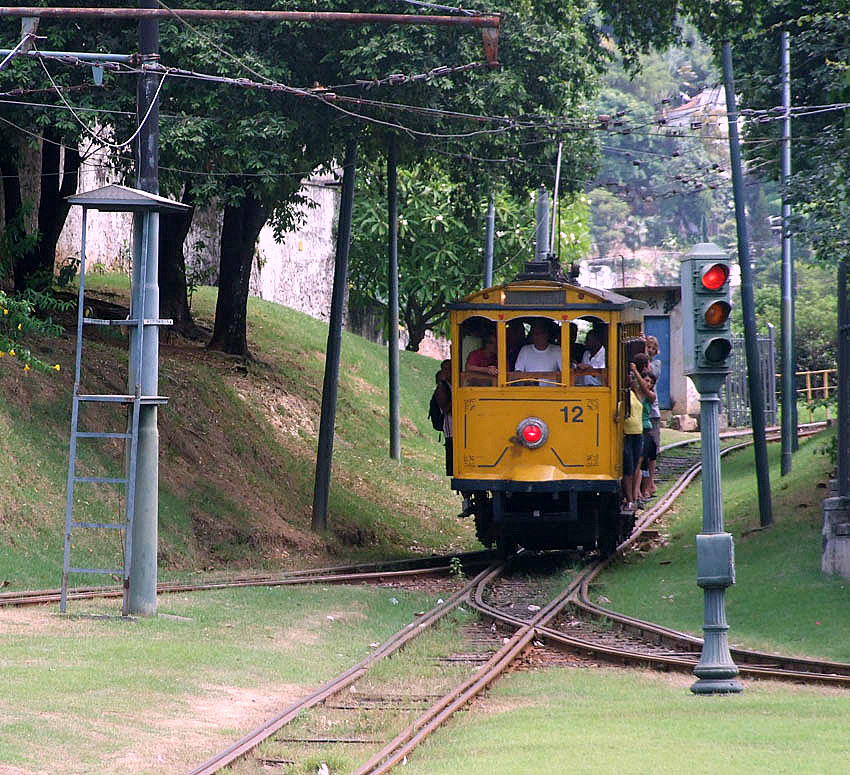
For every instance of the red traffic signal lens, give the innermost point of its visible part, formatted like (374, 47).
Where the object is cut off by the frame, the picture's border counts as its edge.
(714, 278)
(717, 350)
(717, 313)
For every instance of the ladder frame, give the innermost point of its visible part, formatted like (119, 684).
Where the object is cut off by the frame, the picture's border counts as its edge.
(131, 437)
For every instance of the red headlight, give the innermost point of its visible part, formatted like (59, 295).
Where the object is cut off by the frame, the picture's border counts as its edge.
(532, 432)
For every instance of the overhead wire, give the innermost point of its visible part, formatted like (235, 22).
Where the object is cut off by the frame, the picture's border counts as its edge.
(94, 135)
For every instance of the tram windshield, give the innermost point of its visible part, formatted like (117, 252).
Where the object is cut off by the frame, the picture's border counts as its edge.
(535, 353)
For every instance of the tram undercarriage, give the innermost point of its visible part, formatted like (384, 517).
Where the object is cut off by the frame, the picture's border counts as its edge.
(566, 519)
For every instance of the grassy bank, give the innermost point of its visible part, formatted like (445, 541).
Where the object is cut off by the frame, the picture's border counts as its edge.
(237, 450)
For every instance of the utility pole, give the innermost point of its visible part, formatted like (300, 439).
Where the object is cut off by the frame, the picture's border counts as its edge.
(789, 367)
(747, 299)
(143, 568)
(327, 423)
(392, 300)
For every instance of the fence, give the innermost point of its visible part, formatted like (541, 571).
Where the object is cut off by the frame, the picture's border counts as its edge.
(736, 394)
(817, 386)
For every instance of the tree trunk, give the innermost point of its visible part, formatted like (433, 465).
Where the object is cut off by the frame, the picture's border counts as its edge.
(239, 232)
(173, 298)
(35, 268)
(12, 206)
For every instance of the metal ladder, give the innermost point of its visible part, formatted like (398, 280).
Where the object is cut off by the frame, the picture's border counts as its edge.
(134, 402)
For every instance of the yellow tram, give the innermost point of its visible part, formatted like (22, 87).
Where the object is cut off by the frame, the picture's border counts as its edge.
(538, 434)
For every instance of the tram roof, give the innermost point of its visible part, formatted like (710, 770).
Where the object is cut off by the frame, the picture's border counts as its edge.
(545, 294)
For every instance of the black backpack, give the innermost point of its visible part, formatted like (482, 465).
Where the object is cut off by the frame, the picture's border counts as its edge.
(435, 414)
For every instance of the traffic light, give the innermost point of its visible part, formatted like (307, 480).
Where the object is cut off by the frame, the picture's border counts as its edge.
(706, 331)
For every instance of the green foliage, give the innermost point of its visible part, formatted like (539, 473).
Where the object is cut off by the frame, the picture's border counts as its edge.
(815, 310)
(659, 183)
(441, 235)
(19, 322)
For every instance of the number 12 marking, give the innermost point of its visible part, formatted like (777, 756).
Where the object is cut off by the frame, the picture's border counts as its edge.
(576, 412)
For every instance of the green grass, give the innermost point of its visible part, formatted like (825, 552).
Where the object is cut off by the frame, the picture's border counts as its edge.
(82, 694)
(781, 601)
(611, 721)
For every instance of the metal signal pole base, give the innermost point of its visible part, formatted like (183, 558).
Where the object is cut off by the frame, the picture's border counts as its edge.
(715, 550)
(716, 670)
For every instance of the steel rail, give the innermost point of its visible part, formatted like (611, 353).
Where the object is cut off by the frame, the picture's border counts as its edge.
(391, 645)
(750, 662)
(333, 17)
(335, 575)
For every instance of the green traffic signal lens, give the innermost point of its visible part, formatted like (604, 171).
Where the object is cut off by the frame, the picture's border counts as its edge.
(715, 276)
(717, 350)
(717, 313)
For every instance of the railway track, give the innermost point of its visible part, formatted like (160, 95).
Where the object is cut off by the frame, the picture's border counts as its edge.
(364, 573)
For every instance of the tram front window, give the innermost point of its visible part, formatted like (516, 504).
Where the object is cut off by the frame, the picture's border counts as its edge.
(479, 353)
(590, 370)
(540, 359)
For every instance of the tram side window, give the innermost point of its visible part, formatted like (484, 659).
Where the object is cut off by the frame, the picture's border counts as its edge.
(587, 352)
(479, 353)
(537, 362)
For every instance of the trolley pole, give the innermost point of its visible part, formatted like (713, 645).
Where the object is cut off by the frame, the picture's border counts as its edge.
(541, 214)
(490, 241)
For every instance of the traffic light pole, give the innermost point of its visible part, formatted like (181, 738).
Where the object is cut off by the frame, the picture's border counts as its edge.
(715, 552)
(707, 344)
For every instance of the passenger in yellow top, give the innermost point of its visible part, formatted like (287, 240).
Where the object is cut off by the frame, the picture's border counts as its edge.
(632, 440)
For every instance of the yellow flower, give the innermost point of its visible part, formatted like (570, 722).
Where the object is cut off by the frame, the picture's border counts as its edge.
(5, 311)
(11, 352)
(26, 367)
(2, 353)
(19, 326)
(56, 367)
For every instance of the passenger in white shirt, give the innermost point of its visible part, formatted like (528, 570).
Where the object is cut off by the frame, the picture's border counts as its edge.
(540, 355)
(593, 358)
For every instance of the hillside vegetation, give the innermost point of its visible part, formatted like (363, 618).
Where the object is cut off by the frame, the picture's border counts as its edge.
(237, 449)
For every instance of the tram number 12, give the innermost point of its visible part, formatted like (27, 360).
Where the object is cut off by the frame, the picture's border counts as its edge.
(573, 413)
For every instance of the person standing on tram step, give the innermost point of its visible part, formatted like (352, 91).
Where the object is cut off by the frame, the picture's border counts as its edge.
(540, 355)
(643, 384)
(653, 352)
(632, 441)
(444, 401)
